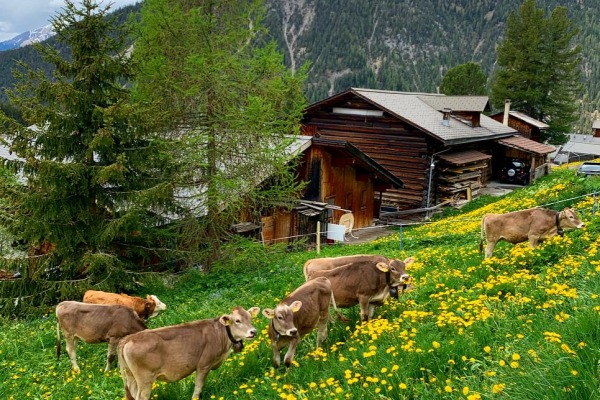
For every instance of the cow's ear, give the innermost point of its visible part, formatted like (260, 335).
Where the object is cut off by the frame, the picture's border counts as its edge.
(409, 260)
(295, 306)
(225, 320)
(254, 311)
(268, 313)
(383, 267)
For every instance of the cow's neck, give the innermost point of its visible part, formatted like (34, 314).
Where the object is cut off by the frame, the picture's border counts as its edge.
(278, 334)
(388, 281)
(559, 230)
(238, 345)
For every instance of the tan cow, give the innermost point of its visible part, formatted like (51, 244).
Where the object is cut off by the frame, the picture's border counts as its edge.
(94, 323)
(534, 225)
(365, 283)
(298, 314)
(145, 308)
(326, 263)
(171, 353)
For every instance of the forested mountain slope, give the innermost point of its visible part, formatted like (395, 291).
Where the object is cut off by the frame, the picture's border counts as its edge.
(397, 45)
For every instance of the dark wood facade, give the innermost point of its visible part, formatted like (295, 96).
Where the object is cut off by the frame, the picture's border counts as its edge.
(395, 145)
(526, 126)
(340, 179)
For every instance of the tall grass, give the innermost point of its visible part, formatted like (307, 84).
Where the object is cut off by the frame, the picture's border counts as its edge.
(524, 324)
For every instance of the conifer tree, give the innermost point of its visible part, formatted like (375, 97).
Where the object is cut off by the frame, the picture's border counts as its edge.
(465, 79)
(539, 68)
(208, 74)
(97, 184)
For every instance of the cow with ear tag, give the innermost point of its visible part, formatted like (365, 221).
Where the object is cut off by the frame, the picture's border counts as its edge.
(173, 352)
(298, 314)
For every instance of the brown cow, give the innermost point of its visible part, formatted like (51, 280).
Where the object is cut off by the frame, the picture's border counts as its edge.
(94, 323)
(534, 224)
(365, 283)
(171, 353)
(327, 263)
(145, 308)
(297, 315)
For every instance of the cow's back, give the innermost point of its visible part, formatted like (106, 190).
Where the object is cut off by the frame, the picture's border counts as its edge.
(350, 281)
(315, 296)
(328, 263)
(95, 323)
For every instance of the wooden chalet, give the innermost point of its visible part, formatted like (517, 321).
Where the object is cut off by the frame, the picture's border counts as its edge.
(443, 148)
(342, 180)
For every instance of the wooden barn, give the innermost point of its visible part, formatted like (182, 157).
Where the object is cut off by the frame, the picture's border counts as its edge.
(443, 148)
(341, 184)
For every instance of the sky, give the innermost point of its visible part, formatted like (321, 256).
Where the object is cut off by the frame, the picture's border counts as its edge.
(18, 16)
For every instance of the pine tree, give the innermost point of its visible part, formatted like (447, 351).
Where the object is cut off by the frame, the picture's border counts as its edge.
(465, 79)
(208, 74)
(97, 181)
(539, 68)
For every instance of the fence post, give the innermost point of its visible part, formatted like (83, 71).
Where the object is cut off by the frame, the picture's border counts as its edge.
(318, 237)
(400, 236)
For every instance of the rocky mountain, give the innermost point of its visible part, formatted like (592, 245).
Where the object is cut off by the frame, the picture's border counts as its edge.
(403, 45)
(26, 38)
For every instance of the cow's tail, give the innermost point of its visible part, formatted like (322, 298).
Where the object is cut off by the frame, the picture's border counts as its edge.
(57, 340)
(481, 235)
(338, 314)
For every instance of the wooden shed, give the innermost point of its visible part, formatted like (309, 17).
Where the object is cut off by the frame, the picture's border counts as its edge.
(420, 138)
(341, 180)
(527, 126)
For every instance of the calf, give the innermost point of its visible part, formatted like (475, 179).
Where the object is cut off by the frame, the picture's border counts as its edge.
(94, 323)
(297, 315)
(145, 308)
(171, 353)
(534, 224)
(365, 283)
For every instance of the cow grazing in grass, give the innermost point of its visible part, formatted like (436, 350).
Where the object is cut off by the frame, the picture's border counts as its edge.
(94, 323)
(145, 308)
(298, 314)
(533, 225)
(171, 353)
(367, 283)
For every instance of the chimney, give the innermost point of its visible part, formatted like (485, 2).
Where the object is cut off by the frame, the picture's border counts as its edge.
(506, 111)
(446, 116)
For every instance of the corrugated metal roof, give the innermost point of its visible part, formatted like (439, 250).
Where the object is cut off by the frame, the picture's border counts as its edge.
(412, 109)
(6, 154)
(528, 145)
(455, 103)
(464, 157)
(596, 124)
(531, 121)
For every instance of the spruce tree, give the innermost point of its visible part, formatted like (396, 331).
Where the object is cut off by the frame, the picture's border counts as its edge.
(539, 68)
(208, 74)
(97, 187)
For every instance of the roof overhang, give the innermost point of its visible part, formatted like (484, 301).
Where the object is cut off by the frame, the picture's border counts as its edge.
(363, 160)
(527, 145)
(464, 157)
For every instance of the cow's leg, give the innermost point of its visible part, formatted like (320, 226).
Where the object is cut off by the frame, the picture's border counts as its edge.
(72, 350)
(533, 241)
(276, 354)
(322, 329)
(363, 301)
(489, 248)
(112, 350)
(289, 356)
(371, 310)
(199, 383)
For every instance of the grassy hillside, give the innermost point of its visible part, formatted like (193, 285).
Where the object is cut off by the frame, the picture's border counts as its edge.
(522, 325)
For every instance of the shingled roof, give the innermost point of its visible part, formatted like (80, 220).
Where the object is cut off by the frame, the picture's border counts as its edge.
(424, 111)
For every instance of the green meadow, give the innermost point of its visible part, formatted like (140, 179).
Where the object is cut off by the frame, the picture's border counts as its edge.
(524, 324)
